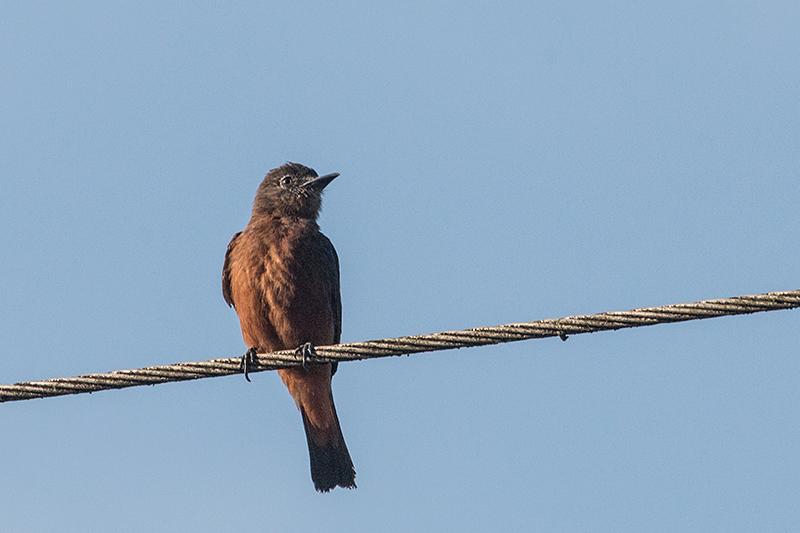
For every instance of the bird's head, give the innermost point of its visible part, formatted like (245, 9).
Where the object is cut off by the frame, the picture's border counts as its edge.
(291, 190)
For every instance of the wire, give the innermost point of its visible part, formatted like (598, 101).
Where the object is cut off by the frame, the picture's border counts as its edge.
(557, 327)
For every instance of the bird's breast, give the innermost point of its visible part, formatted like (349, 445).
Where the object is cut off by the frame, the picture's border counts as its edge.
(282, 287)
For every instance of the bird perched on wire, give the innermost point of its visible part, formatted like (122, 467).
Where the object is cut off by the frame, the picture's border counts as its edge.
(281, 275)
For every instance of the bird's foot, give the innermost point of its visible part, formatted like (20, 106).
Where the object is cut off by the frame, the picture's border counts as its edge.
(247, 359)
(306, 351)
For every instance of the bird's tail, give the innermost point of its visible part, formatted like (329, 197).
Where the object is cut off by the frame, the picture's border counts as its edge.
(330, 461)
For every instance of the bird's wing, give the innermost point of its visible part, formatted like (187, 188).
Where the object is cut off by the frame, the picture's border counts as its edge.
(226, 272)
(336, 295)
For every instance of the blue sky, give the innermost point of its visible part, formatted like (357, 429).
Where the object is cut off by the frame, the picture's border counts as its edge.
(500, 162)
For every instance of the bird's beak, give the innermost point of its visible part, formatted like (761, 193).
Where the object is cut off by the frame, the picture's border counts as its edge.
(320, 182)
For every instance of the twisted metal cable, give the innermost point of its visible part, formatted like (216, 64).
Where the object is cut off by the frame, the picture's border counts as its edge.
(556, 327)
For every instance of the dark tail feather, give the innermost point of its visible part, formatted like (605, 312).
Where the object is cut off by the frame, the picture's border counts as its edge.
(330, 464)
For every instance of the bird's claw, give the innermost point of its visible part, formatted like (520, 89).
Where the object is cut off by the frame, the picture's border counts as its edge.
(306, 351)
(247, 359)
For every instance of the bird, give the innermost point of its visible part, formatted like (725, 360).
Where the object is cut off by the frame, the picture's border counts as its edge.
(281, 275)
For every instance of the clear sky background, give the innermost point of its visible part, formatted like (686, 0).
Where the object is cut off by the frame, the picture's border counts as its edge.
(500, 162)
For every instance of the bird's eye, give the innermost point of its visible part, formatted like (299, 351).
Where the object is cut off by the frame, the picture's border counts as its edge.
(286, 181)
